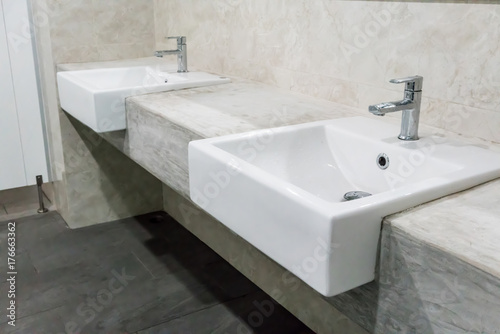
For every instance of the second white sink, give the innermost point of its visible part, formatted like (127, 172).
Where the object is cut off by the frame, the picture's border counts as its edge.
(97, 97)
(283, 190)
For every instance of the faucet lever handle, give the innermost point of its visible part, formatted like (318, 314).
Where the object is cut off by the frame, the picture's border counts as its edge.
(413, 83)
(181, 40)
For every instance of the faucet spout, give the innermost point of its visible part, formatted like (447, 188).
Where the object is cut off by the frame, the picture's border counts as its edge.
(386, 107)
(162, 53)
(409, 105)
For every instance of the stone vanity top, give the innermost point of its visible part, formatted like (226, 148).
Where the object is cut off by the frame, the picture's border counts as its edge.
(466, 224)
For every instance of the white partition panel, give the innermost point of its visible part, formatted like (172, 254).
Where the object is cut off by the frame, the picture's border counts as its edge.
(21, 120)
(12, 172)
(22, 62)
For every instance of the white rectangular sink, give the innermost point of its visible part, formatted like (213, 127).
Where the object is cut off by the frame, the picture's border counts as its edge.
(97, 97)
(283, 190)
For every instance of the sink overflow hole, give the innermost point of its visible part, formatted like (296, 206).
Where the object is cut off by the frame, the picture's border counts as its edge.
(382, 161)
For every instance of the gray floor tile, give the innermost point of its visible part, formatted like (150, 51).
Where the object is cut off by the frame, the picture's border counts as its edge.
(47, 322)
(25, 212)
(255, 313)
(149, 301)
(21, 202)
(28, 206)
(83, 246)
(18, 196)
(74, 279)
(4, 301)
(172, 249)
(64, 286)
(34, 230)
(221, 275)
(23, 265)
(22, 259)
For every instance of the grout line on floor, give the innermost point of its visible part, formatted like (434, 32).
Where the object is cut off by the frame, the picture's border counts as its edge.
(46, 198)
(138, 259)
(196, 311)
(31, 261)
(34, 314)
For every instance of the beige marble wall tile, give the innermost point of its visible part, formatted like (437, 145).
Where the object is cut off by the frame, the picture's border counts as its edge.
(102, 184)
(91, 30)
(125, 50)
(77, 53)
(106, 194)
(123, 21)
(61, 199)
(346, 51)
(328, 88)
(104, 52)
(71, 22)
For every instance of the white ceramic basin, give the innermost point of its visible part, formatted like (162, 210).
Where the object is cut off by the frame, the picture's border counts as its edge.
(97, 97)
(282, 190)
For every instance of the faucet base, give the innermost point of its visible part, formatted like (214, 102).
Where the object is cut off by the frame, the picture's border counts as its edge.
(408, 138)
(409, 124)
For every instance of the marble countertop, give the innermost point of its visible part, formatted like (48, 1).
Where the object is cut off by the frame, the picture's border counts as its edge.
(466, 224)
(238, 107)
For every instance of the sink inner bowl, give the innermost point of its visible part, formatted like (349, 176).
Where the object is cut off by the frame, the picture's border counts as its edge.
(328, 160)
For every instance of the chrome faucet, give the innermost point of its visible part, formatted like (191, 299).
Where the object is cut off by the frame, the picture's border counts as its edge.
(181, 53)
(410, 105)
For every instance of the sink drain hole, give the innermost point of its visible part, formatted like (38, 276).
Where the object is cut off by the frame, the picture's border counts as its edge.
(352, 195)
(382, 161)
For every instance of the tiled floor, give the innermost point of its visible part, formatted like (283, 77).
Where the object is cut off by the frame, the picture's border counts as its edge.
(21, 202)
(139, 275)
